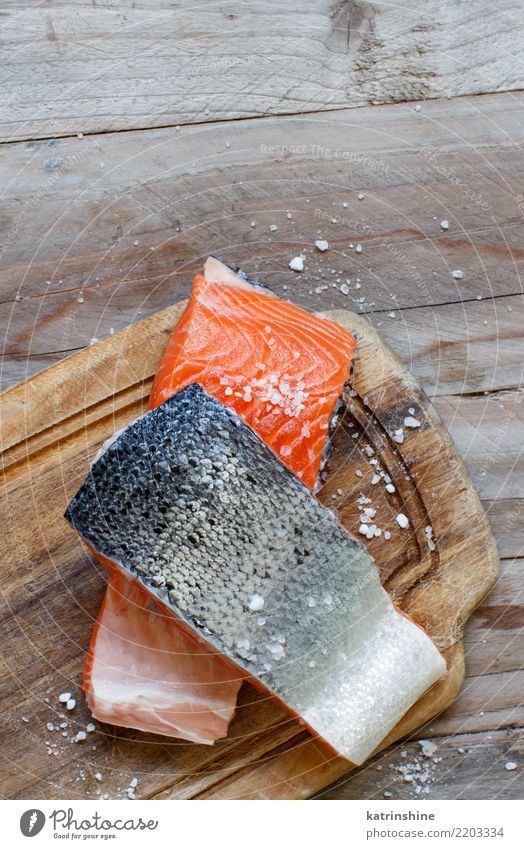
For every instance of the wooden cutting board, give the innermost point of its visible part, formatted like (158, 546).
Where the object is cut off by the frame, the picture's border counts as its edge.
(51, 427)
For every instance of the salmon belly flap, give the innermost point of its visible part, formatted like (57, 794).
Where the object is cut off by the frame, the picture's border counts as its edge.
(238, 549)
(282, 371)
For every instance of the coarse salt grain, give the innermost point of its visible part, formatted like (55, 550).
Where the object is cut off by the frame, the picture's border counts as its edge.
(444, 224)
(390, 487)
(64, 697)
(409, 421)
(256, 602)
(322, 245)
(297, 263)
(402, 520)
(457, 275)
(71, 704)
(510, 766)
(428, 748)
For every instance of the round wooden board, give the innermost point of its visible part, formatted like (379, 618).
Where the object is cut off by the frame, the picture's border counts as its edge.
(54, 423)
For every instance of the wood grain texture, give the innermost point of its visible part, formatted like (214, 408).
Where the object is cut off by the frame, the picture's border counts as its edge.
(73, 210)
(75, 66)
(66, 412)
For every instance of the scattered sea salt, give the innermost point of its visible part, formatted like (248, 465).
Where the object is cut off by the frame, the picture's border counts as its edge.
(273, 227)
(418, 107)
(409, 421)
(98, 776)
(402, 521)
(322, 245)
(361, 196)
(80, 737)
(256, 602)
(444, 224)
(358, 248)
(457, 275)
(390, 487)
(344, 288)
(64, 697)
(375, 479)
(71, 704)
(387, 535)
(391, 314)
(510, 766)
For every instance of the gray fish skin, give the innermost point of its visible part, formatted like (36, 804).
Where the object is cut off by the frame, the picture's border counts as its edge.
(189, 501)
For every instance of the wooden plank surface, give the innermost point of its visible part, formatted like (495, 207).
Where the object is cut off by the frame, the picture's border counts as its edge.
(77, 66)
(74, 216)
(70, 409)
(103, 230)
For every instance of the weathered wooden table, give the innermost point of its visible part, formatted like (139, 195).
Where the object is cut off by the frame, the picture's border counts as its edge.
(136, 141)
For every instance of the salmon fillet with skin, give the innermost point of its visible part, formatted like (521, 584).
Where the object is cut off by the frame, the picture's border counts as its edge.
(230, 531)
(282, 370)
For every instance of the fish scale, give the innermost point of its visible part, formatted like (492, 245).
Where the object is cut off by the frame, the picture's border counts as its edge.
(216, 519)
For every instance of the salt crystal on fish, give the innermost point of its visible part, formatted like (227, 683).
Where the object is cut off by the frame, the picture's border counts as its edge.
(321, 245)
(402, 520)
(256, 602)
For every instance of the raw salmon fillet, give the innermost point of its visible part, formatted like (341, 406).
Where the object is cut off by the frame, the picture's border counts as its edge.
(148, 673)
(282, 370)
